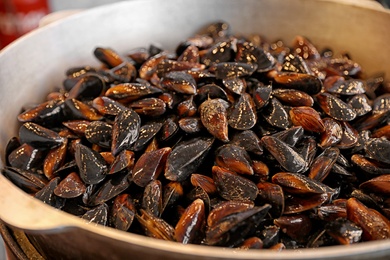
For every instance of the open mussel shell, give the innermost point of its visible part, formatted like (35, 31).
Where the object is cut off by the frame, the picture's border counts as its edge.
(146, 133)
(91, 164)
(149, 166)
(293, 97)
(228, 230)
(125, 130)
(87, 87)
(295, 63)
(232, 186)
(344, 231)
(213, 113)
(332, 133)
(250, 53)
(39, 137)
(131, 91)
(307, 83)
(276, 114)
(123, 212)
(191, 223)
(381, 103)
(249, 141)
(152, 198)
(378, 184)
(122, 162)
(365, 218)
(151, 107)
(252, 243)
(298, 227)
(242, 115)
(100, 133)
(211, 91)
(299, 184)
(361, 104)
(234, 158)
(180, 82)
(107, 106)
(322, 165)
(47, 113)
(97, 215)
(205, 182)
(288, 158)
(224, 70)
(308, 118)
(261, 95)
(54, 159)
(226, 208)
(155, 227)
(290, 136)
(75, 109)
(110, 188)
(186, 157)
(172, 193)
(272, 194)
(26, 180)
(48, 196)
(335, 107)
(298, 204)
(378, 149)
(25, 157)
(191, 125)
(70, 187)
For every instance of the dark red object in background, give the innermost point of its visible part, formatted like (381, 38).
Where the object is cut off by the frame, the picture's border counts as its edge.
(18, 17)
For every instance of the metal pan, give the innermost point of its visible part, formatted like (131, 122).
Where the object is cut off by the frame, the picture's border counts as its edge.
(35, 63)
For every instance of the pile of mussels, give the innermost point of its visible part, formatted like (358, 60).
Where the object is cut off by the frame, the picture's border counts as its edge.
(230, 141)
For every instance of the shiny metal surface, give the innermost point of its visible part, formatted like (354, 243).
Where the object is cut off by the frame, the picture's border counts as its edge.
(36, 63)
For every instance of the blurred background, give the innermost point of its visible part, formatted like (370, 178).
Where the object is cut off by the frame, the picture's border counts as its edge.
(18, 17)
(76, 4)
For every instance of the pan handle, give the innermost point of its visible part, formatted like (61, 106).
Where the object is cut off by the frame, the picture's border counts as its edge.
(30, 211)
